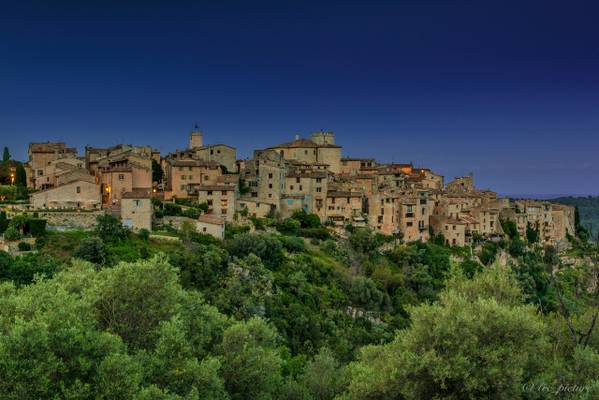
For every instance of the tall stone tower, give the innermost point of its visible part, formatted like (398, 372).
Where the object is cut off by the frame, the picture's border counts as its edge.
(323, 137)
(196, 138)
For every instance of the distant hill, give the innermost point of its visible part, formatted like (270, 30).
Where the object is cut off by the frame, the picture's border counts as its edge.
(588, 207)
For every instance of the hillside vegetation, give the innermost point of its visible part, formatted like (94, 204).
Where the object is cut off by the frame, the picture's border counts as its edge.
(115, 315)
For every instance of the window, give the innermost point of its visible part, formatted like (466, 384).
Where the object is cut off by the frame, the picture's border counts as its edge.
(209, 202)
(190, 177)
(190, 168)
(382, 211)
(297, 180)
(269, 176)
(78, 189)
(318, 180)
(40, 172)
(180, 168)
(409, 224)
(290, 187)
(217, 151)
(209, 193)
(204, 229)
(137, 203)
(318, 189)
(270, 195)
(182, 187)
(183, 177)
(121, 177)
(211, 151)
(224, 192)
(301, 188)
(306, 152)
(223, 211)
(270, 185)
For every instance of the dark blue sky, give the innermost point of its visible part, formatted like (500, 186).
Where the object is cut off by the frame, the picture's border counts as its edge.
(506, 89)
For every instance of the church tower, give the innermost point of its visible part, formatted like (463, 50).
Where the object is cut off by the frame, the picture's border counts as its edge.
(196, 137)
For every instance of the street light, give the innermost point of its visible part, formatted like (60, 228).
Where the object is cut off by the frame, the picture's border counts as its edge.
(12, 178)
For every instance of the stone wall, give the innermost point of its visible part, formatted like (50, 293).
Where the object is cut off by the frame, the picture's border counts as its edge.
(63, 220)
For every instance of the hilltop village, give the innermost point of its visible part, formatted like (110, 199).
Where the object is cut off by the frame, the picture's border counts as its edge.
(310, 174)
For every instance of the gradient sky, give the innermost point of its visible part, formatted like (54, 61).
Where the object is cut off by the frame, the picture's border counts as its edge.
(508, 90)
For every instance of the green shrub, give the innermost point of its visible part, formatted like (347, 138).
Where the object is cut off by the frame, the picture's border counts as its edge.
(289, 226)
(172, 209)
(293, 244)
(12, 233)
(36, 227)
(109, 229)
(193, 213)
(144, 234)
(24, 246)
(321, 233)
(91, 249)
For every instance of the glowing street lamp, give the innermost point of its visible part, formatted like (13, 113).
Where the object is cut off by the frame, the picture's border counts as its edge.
(12, 178)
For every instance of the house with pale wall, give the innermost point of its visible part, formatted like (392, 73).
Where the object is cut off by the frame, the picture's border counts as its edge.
(220, 199)
(137, 210)
(41, 155)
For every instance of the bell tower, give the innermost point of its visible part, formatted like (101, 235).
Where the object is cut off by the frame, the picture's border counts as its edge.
(196, 137)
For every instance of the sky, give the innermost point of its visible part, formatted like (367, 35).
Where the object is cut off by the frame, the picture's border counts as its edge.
(507, 90)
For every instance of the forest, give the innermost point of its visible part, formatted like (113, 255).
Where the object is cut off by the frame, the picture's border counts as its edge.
(281, 314)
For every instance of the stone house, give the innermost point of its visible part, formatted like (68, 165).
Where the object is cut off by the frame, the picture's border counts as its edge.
(185, 177)
(221, 200)
(40, 156)
(343, 207)
(321, 149)
(211, 225)
(137, 210)
(77, 194)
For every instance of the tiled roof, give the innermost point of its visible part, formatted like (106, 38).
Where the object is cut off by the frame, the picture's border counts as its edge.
(339, 193)
(211, 219)
(193, 163)
(138, 193)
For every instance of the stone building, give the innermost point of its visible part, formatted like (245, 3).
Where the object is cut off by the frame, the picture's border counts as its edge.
(221, 200)
(321, 149)
(76, 194)
(211, 225)
(344, 207)
(40, 156)
(354, 166)
(125, 172)
(136, 210)
(186, 177)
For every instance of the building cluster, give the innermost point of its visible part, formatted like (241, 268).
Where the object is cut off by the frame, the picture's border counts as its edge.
(304, 174)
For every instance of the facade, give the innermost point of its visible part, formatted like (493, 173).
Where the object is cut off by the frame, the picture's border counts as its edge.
(186, 177)
(220, 200)
(211, 225)
(40, 156)
(137, 210)
(77, 194)
(396, 199)
(321, 149)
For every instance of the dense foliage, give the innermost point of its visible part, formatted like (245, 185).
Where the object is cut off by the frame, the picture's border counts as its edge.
(111, 314)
